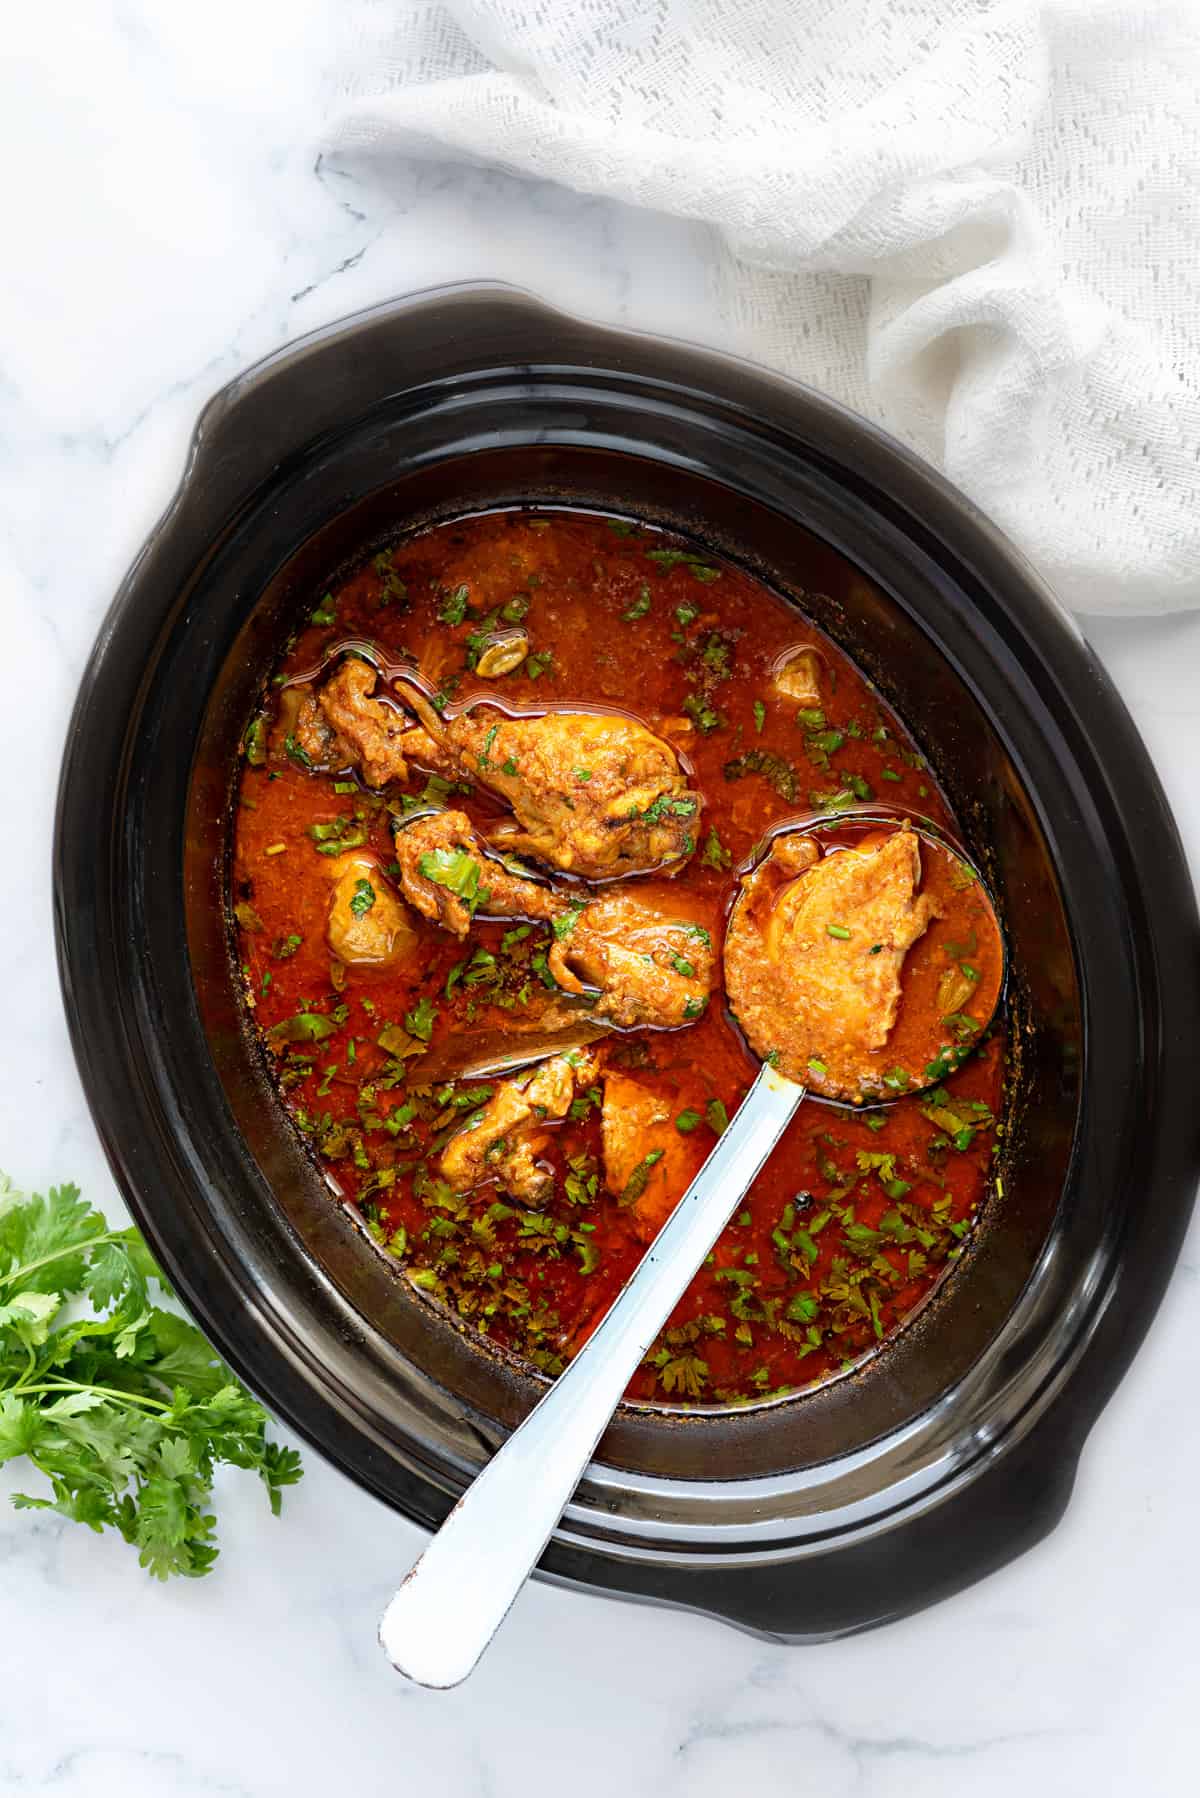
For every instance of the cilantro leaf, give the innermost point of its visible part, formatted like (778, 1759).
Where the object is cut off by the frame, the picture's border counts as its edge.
(362, 898)
(419, 1021)
(453, 869)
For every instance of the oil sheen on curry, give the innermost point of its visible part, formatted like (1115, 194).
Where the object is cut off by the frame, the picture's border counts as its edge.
(500, 799)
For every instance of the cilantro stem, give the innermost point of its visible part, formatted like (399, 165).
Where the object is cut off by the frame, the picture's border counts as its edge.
(127, 1398)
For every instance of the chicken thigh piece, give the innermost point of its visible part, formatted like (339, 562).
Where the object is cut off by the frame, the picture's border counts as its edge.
(504, 1138)
(813, 956)
(594, 794)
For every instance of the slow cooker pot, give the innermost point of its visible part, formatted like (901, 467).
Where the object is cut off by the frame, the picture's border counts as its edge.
(956, 1447)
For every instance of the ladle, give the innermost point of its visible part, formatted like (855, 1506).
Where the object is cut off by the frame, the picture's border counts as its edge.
(458, 1593)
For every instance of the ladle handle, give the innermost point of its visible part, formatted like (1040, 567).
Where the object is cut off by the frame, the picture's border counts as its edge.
(459, 1592)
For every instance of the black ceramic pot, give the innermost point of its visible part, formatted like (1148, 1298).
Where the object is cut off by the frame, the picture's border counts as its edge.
(957, 1446)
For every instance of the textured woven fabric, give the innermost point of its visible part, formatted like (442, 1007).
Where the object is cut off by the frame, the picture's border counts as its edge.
(975, 221)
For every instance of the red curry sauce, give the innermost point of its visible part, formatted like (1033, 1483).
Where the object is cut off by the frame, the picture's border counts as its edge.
(855, 1216)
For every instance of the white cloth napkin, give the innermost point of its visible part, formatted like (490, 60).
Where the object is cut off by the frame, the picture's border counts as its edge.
(975, 221)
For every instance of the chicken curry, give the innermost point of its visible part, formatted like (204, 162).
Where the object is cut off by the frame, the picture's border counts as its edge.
(496, 808)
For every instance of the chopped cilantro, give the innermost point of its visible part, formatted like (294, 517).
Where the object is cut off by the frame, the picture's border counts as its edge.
(716, 1116)
(254, 743)
(777, 772)
(566, 921)
(704, 716)
(715, 854)
(362, 898)
(420, 1020)
(687, 1121)
(826, 741)
(453, 608)
(635, 1186)
(303, 1027)
(579, 1109)
(455, 870)
(676, 558)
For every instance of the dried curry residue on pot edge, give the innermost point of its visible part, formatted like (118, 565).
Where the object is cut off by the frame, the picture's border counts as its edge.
(854, 1218)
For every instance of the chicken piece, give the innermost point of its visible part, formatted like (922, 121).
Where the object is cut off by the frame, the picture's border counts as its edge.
(447, 875)
(799, 677)
(651, 969)
(503, 1140)
(813, 956)
(369, 925)
(341, 725)
(648, 1163)
(594, 794)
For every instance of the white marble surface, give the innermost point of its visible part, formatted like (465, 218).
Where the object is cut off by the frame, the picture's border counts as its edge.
(167, 223)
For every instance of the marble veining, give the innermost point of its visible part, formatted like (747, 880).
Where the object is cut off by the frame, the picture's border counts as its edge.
(169, 220)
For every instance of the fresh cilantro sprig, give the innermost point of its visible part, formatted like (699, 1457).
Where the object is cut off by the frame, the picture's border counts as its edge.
(126, 1411)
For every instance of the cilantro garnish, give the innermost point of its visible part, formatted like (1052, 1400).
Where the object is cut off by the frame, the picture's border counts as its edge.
(715, 853)
(676, 558)
(635, 1186)
(566, 921)
(455, 870)
(773, 768)
(419, 1021)
(453, 608)
(126, 1411)
(362, 898)
(716, 1116)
